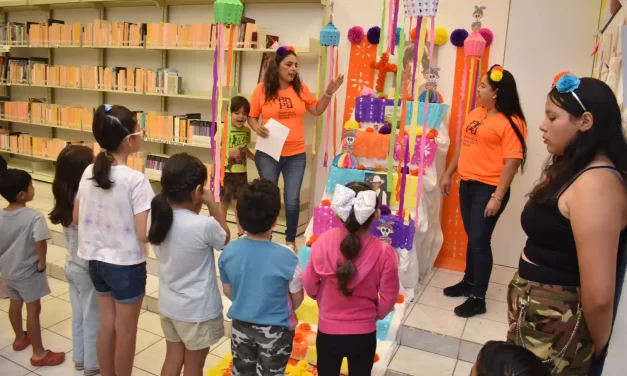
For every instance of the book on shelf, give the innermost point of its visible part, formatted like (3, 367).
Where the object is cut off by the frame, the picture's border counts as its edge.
(13, 33)
(16, 142)
(102, 33)
(55, 75)
(54, 33)
(62, 116)
(19, 69)
(14, 111)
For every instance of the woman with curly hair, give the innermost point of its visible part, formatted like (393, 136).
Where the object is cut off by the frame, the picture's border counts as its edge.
(283, 97)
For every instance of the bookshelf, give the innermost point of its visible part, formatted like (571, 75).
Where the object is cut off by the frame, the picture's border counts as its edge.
(296, 22)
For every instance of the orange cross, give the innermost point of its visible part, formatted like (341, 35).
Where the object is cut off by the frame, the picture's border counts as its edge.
(384, 68)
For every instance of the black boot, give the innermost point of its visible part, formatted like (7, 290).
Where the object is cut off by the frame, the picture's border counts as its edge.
(463, 288)
(471, 307)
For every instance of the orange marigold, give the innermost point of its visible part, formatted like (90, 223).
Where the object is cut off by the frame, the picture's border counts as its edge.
(311, 240)
(432, 133)
(305, 326)
(376, 357)
(400, 299)
(361, 167)
(370, 129)
(299, 337)
(325, 202)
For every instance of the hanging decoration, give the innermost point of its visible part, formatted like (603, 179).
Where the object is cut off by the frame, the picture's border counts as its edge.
(453, 254)
(330, 37)
(226, 13)
(360, 75)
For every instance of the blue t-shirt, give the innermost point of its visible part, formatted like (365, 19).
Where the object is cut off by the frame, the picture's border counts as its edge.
(263, 275)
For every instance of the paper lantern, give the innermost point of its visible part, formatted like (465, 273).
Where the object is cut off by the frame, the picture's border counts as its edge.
(330, 35)
(420, 8)
(228, 12)
(474, 45)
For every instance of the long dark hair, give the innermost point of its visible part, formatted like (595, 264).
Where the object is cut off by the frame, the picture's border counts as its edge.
(271, 82)
(112, 124)
(182, 173)
(71, 163)
(605, 137)
(351, 245)
(498, 358)
(508, 103)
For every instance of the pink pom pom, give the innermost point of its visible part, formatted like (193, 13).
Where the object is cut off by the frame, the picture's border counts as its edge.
(368, 92)
(487, 34)
(356, 34)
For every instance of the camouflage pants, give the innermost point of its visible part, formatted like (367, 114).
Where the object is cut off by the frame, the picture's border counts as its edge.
(260, 349)
(548, 321)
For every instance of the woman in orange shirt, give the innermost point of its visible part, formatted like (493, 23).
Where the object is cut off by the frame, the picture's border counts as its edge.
(283, 97)
(491, 152)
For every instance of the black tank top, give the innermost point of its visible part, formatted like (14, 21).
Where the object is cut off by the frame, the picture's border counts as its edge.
(551, 242)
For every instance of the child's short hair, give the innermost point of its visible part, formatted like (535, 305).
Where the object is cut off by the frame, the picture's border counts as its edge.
(12, 182)
(259, 207)
(3, 164)
(498, 358)
(237, 103)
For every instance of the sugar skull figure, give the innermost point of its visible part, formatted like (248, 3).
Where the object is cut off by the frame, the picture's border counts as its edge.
(386, 228)
(349, 139)
(478, 15)
(431, 74)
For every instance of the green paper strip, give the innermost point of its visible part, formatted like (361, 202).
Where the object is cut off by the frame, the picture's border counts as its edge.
(397, 96)
(385, 5)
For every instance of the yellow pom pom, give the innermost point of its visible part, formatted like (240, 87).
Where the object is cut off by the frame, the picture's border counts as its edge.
(351, 125)
(496, 75)
(441, 36)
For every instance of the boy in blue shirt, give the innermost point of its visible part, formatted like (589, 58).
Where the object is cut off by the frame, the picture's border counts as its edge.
(262, 279)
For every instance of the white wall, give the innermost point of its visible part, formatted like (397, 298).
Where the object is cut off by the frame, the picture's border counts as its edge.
(534, 56)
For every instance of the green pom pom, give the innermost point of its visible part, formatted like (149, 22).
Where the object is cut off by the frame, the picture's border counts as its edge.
(228, 12)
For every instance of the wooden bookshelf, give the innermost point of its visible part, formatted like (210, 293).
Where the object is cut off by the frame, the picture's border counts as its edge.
(190, 99)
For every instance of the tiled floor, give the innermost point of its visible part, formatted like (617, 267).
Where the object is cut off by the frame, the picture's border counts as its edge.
(56, 322)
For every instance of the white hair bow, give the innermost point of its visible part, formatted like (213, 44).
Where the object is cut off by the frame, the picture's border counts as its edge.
(345, 199)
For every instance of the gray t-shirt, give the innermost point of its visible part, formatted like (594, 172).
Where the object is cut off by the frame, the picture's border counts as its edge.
(20, 230)
(188, 287)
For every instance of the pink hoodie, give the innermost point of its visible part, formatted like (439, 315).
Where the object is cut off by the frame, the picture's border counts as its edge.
(375, 286)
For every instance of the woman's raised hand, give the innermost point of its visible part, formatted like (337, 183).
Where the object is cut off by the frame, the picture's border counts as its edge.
(334, 85)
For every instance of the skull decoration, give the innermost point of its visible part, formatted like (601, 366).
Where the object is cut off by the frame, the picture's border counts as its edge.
(478, 15)
(431, 74)
(349, 139)
(386, 228)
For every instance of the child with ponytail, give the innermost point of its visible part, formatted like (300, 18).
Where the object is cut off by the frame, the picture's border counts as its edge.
(111, 212)
(71, 163)
(189, 299)
(354, 278)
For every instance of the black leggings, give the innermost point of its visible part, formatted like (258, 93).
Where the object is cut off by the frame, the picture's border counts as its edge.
(358, 348)
(473, 199)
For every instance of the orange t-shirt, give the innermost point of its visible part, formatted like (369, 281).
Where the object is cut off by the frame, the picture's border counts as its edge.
(289, 110)
(486, 142)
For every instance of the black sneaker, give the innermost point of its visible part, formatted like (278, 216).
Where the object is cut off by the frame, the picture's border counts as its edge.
(471, 307)
(461, 289)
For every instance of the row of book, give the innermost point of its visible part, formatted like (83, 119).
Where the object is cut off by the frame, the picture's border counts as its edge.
(36, 71)
(40, 147)
(155, 163)
(178, 129)
(102, 33)
(56, 115)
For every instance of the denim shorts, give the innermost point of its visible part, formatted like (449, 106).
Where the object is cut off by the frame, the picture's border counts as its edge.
(125, 283)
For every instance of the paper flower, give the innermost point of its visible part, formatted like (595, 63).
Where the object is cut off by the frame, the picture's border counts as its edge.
(356, 34)
(374, 34)
(487, 34)
(568, 83)
(560, 75)
(458, 36)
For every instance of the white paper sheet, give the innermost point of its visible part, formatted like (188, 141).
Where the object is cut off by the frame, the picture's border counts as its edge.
(273, 144)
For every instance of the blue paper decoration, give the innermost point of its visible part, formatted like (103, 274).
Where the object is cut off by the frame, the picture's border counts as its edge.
(343, 176)
(437, 111)
(304, 253)
(330, 35)
(383, 327)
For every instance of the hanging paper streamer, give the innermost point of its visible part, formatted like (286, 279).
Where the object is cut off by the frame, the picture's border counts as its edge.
(403, 120)
(419, 29)
(396, 98)
(360, 75)
(219, 164)
(337, 65)
(327, 122)
(394, 27)
(329, 37)
(380, 51)
(318, 90)
(214, 104)
(405, 170)
(226, 134)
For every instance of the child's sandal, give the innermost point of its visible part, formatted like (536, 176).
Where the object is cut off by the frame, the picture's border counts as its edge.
(91, 372)
(23, 344)
(50, 359)
(79, 366)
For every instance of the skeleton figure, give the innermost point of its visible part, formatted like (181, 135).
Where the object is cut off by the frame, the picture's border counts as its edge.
(431, 74)
(386, 228)
(478, 15)
(349, 139)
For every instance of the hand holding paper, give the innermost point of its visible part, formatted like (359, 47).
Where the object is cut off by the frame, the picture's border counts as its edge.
(273, 144)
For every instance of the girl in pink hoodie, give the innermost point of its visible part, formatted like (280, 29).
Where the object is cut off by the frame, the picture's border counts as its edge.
(354, 278)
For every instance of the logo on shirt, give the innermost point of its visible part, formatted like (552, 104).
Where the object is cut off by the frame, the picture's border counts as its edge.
(285, 102)
(473, 126)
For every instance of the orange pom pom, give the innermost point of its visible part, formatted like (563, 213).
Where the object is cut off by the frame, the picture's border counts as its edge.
(400, 298)
(311, 240)
(432, 134)
(361, 167)
(325, 202)
(376, 357)
(370, 129)
(305, 327)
